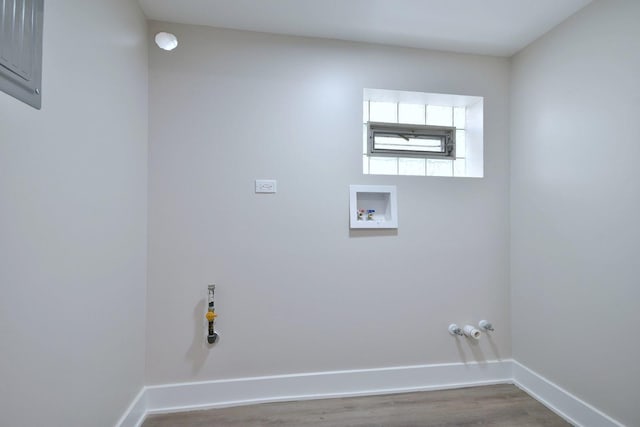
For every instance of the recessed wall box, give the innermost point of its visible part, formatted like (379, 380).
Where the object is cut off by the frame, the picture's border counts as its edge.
(381, 199)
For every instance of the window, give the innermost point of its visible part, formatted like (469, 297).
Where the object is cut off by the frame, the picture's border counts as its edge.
(391, 139)
(422, 134)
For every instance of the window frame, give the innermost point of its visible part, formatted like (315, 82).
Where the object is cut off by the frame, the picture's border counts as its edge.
(446, 135)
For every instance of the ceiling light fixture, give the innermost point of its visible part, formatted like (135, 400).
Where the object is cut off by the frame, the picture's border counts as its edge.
(166, 41)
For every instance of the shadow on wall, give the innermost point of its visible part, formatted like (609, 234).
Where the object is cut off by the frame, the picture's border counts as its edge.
(476, 350)
(373, 232)
(197, 353)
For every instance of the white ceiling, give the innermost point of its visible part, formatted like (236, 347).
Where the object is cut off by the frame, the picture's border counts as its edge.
(494, 27)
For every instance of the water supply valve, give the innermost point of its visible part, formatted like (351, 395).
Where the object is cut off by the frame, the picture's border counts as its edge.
(455, 330)
(486, 325)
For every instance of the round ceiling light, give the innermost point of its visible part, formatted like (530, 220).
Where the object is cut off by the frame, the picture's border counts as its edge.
(166, 41)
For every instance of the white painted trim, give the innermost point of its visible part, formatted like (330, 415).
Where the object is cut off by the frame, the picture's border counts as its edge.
(181, 397)
(571, 408)
(322, 385)
(136, 412)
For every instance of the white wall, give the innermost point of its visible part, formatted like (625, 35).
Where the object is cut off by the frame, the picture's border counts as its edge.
(297, 292)
(73, 223)
(575, 198)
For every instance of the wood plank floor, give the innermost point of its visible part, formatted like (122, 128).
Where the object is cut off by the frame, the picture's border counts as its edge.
(499, 405)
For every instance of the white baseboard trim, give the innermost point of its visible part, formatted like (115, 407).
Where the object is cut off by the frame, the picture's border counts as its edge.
(571, 408)
(167, 398)
(318, 385)
(245, 391)
(136, 412)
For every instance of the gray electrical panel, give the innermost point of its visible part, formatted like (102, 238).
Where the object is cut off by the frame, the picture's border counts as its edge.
(21, 49)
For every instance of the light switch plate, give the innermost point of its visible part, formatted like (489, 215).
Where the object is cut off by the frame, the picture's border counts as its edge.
(266, 185)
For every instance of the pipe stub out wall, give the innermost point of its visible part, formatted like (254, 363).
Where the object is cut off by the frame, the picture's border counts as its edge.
(211, 315)
(470, 331)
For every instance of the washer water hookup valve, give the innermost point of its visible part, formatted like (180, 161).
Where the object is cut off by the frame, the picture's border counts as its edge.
(486, 325)
(455, 330)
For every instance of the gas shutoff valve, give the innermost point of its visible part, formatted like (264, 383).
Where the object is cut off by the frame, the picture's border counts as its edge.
(211, 315)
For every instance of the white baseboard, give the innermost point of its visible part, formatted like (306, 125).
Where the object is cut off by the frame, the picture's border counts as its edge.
(245, 391)
(319, 385)
(323, 385)
(571, 408)
(136, 412)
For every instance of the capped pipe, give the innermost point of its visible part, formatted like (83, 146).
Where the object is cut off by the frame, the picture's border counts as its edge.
(471, 332)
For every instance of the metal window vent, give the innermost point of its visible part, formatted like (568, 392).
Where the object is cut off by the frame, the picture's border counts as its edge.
(393, 139)
(21, 49)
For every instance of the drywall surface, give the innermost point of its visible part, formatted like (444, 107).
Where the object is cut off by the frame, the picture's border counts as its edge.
(296, 290)
(73, 223)
(575, 197)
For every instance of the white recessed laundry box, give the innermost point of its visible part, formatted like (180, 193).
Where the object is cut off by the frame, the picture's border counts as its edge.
(373, 206)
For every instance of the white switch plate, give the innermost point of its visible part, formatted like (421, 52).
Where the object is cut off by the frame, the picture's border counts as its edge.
(266, 185)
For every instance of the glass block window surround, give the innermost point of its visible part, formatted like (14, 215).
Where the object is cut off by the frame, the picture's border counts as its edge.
(418, 108)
